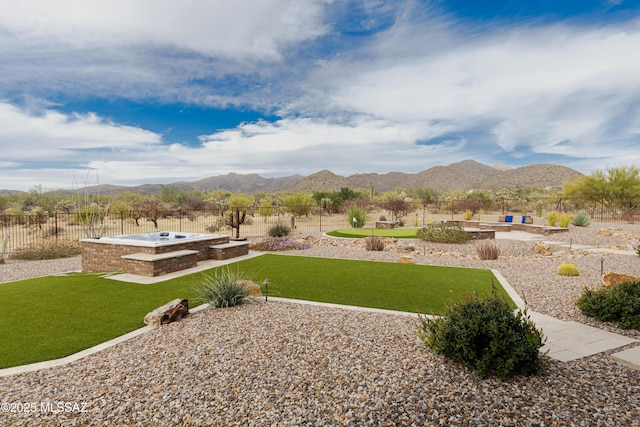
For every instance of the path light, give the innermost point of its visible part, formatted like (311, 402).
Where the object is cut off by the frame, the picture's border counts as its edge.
(601, 266)
(354, 222)
(266, 289)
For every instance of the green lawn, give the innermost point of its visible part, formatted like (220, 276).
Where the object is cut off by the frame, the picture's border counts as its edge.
(356, 233)
(403, 287)
(52, 317)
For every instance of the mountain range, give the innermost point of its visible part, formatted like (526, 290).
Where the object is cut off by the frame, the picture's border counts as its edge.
(465, 175)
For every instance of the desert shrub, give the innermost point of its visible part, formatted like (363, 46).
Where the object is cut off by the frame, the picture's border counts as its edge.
(357, 216)
(565, 219)
(47, 249)
(279, 230)
(382, 218)
(225, 288)
(552, 218)
(487, 250)
(486, 336)
(374, 243)
(468, 215)
(619, 304)
(443, 232)
(277, 244)
(581, 219)
(568, 270)
(221, 222)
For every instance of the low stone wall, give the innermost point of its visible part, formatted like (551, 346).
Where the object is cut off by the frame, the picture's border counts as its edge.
(228, 250)
(142, 267)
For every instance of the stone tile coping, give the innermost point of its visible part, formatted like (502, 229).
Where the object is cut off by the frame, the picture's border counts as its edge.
(234, 244)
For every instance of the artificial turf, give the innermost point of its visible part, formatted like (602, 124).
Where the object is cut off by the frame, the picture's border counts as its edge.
(54, 316)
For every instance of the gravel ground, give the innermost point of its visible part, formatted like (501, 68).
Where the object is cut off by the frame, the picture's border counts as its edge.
(287, 364)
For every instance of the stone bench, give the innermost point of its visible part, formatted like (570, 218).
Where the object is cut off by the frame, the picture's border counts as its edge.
(387, 224)
(151, 265)
(228, 250)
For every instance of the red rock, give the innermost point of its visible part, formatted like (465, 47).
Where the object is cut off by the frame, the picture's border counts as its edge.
(614, 279)
(170, 312)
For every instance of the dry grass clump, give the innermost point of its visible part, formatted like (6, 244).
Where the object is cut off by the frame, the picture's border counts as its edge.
(47, 249)
(487, 250)
(374, 243)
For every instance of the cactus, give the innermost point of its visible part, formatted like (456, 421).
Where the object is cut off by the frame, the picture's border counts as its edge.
(568, 270)
(539, 209)
(236, 219)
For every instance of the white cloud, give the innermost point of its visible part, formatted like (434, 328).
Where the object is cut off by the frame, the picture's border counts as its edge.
(552, 90)
(538, 87)
(51, 136)
(239, 29)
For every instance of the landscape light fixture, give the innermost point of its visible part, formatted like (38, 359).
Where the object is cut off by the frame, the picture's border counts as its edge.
(601, 266)
(266, 289)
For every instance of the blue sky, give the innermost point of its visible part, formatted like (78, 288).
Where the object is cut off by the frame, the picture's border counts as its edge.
(157, 91)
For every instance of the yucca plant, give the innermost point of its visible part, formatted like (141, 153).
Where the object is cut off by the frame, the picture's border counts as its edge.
(468, 214)
(552, 218)
(356, 216)
(226, 288)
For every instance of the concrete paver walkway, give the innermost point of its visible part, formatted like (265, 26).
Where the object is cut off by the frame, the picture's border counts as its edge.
(572, 340)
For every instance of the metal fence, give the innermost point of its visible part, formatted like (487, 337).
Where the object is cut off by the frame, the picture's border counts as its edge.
(24, 230)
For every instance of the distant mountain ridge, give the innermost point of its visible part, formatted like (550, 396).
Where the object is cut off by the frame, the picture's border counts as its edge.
(465, 175)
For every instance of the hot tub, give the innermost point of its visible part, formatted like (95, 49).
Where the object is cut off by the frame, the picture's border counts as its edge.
(105, 253)
(154, 239)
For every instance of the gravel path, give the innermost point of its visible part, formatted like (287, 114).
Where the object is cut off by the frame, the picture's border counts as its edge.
(288, 364)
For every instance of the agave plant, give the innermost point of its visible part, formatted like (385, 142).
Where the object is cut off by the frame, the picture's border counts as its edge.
(226, 288)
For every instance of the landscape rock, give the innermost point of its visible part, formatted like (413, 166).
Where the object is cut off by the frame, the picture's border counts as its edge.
(605, 232)
(614, 279)
(406, 260)
(541, 249)
(170, 312)
(254, 288)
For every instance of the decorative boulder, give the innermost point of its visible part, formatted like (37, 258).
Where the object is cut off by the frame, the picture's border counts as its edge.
(541, 249)
(170, 312)
(406, 260)
(604, 232)
(614, 279)
(254, 288)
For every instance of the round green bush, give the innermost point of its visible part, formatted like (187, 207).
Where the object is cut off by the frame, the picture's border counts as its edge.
(619, 304)
(487, 337)
(443, 232)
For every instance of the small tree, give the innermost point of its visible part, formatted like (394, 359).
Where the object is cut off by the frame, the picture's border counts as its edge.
(299, 204)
